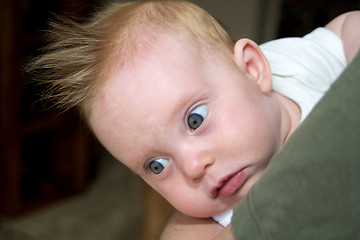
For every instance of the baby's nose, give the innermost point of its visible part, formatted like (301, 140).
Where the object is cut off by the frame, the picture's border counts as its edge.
(195, 165)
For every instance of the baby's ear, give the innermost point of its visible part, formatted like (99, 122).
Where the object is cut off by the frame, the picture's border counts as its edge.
(249, 58)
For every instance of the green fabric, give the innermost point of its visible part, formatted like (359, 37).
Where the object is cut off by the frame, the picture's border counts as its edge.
(311, 188)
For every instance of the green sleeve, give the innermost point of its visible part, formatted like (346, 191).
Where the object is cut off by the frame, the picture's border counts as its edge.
(311, 188)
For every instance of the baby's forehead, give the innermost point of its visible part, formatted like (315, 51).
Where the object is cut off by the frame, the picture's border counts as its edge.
(160, 40)
(148, 50)
(163, 59)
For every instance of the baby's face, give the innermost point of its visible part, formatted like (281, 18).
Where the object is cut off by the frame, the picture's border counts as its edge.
(195, 128)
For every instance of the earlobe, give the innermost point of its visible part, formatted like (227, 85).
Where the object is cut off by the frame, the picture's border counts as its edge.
(249, 57)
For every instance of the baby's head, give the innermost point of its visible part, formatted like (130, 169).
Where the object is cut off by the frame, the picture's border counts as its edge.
(169, 94)
(81, 55)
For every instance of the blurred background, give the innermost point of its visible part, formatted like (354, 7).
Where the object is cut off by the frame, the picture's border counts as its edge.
(56, 181)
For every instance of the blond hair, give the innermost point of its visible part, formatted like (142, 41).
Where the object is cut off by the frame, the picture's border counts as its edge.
(79, 56)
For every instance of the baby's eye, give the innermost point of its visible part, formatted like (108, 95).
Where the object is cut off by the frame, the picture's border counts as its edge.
(197, 116)
(158, 165)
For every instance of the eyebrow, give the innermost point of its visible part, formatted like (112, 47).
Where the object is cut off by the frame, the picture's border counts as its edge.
(186, 103)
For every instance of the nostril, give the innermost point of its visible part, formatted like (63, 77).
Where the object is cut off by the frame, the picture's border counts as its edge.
(197, 179)
(208, 165)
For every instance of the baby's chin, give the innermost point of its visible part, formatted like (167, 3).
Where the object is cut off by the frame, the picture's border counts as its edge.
(215, 206)
(219, 207)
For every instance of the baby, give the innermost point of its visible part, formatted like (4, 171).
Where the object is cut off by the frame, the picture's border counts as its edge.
(169, 94)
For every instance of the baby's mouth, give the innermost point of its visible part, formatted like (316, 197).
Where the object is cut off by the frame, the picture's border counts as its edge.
(229, 185)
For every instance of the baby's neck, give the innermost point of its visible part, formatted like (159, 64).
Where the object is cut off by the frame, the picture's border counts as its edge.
(290, 116)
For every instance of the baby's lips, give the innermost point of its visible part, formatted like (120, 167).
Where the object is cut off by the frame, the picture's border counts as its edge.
(229, 184)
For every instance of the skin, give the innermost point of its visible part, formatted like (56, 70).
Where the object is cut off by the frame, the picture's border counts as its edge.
(245, 124)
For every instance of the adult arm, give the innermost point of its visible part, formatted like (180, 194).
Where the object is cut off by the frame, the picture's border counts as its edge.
(347, 27)
(184, 227)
